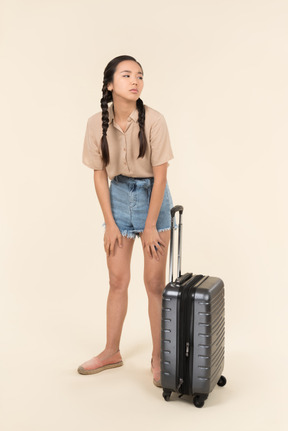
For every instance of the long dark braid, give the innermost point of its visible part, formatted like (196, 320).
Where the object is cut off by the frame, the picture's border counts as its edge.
(105, 122)
(141, 134)
(107, 97)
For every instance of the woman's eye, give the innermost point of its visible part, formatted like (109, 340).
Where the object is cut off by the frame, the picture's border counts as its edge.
(139, 77)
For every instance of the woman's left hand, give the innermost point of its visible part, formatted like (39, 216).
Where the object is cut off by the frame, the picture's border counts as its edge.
(152, 243)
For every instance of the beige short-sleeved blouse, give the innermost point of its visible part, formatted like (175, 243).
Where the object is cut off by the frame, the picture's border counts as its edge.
(124, 146)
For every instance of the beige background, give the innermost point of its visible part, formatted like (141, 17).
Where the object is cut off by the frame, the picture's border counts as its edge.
(217, 70)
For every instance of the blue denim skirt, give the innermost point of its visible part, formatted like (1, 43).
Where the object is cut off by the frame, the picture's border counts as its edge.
(130, 199)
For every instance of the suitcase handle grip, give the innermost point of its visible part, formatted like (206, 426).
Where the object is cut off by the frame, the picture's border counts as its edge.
(174, 210)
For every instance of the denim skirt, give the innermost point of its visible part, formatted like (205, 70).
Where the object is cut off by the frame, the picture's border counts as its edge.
(130, 199)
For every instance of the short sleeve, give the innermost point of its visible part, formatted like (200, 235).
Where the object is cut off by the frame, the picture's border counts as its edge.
(91, 156)
(161, 150)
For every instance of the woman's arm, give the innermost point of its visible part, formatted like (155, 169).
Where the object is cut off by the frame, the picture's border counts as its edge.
(150, 235)
(112, 233)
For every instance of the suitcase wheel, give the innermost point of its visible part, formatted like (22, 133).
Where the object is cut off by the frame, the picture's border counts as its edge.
(199, 400)
(222, 381)
(166, 394)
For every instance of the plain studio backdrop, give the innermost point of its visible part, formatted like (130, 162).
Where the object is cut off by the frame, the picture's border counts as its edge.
(217, 70)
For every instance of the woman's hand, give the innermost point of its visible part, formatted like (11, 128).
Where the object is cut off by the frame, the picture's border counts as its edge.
(111, 235)
(152, 243)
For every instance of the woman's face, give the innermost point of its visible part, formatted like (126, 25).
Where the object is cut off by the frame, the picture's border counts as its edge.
(127, 81)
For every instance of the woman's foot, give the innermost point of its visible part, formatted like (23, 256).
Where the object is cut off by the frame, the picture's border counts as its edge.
(156, 371)
(99, 363)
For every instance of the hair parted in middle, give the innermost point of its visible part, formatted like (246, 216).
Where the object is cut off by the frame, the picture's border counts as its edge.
(107, 97)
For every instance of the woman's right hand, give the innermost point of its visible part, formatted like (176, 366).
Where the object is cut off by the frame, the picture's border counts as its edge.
(111, 235)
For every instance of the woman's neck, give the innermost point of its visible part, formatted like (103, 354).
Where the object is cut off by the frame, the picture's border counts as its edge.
(122, 109)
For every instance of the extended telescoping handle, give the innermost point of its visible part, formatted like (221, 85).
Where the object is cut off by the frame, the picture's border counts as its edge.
(174, 210)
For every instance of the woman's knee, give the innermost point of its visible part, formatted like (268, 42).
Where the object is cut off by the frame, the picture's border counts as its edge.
(119, 282)
(154, 285)
(119, 266)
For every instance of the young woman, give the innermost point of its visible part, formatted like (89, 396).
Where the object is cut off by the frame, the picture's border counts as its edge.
(128, 142)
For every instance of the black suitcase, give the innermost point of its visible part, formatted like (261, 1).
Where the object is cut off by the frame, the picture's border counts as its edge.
(192, 330)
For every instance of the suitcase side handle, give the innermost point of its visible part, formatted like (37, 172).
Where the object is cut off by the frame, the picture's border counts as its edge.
(173, 211)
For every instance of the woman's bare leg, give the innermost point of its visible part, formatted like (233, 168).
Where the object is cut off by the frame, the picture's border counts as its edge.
(117, 301)
(154, 279)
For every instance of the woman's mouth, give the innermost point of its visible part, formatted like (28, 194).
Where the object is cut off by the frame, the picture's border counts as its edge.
(134, 90)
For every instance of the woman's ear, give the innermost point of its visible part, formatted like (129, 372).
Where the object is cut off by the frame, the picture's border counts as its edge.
(110, 86)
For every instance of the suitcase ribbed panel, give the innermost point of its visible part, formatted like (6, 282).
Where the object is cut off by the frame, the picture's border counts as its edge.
(208, 345)
(169, 347)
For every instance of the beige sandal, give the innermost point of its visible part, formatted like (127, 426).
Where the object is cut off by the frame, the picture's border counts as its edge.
(103, 365)
(82, 370)
(156, 382)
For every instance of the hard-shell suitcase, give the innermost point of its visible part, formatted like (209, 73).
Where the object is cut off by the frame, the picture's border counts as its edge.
(192, 330)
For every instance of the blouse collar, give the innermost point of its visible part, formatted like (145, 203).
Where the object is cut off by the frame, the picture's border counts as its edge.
(133, 115)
